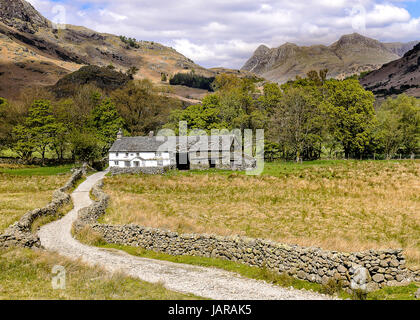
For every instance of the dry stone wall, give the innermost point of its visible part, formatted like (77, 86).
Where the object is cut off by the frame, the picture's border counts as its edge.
(144, 170)
(385, 267)
(19, 234)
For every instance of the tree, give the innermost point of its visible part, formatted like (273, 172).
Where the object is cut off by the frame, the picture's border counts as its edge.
(271, 151)
(351, 115)
(3, 123)
(85, 145)
(143, 107)
(106, 122)
(205, 116)
(298, 123)
(238, 104)
(23, 146)
(233, 106)
(60, 140)
(270, 100)
(192, 80)
(38, 131)
(399, 125)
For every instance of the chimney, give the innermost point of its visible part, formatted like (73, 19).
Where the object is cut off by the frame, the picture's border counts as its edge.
(151, 134)
(120, 134)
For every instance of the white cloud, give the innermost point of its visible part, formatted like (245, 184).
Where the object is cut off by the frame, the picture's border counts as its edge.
(225, 33)
(113, 15)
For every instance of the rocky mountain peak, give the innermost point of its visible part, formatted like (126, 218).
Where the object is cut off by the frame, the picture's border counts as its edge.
(262, 49)
(356, 39)
(21, 15)
(351, 55)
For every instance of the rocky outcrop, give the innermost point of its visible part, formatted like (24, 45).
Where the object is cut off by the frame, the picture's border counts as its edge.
(351, 54)
(70, 47)
(20, 234)
(21, 15)
(384, 267)
(396, 77)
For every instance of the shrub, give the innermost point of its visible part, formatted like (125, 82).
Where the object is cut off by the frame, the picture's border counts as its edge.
(192, 80)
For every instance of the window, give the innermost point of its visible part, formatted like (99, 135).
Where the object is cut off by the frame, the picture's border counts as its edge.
(116, 154)
(116, 163)
(136, 163)
(160, 163)
(126, 154)
(212, 163)
(138, 154)
(127, 163)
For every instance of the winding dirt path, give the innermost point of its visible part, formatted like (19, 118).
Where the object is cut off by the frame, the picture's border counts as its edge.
(205, 282)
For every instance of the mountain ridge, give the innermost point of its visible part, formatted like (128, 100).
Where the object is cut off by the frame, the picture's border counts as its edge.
(396, 77)
(32, 52)
(349, 55)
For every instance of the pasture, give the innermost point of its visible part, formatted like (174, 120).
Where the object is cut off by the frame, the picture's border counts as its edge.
(336, 205)
(24, 188)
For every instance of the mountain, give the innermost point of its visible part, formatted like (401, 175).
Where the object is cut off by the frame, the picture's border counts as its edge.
(351, 54)
(32, 52)
(22, 16)
(400, 48)
(400, 76)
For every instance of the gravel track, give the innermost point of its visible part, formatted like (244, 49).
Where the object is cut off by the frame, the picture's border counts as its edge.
(204, 282)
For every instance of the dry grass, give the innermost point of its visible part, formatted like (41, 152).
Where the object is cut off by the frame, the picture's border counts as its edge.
(345, 206)
(26, 274)
(20, 193)
(89, 236)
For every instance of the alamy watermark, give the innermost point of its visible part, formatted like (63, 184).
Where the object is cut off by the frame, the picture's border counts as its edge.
(58, 281)
(59, 21)
(358, 15)
(227, 148)
(359, 279)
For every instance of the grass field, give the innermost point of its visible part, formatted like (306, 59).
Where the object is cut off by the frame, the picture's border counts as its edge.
(24, 188)
(337, 205)
(27, 274)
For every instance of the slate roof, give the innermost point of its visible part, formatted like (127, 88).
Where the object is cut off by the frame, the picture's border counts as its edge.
(136, 144)
(162, 144)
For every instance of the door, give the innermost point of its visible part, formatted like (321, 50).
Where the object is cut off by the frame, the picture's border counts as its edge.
(182, 161)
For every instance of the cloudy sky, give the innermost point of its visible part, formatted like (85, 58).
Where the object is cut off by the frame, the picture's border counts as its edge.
(226, 32)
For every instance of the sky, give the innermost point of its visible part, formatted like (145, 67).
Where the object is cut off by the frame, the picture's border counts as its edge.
(225, 33)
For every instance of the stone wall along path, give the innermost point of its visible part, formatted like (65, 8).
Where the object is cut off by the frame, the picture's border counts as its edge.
(205, 282)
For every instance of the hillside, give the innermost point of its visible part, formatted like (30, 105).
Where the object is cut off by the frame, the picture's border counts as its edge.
(400, 76)
(33, 53)
(351, 54)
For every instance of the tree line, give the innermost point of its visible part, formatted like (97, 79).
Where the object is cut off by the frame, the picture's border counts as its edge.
(305, 119)
(82, 126)
(310, 117)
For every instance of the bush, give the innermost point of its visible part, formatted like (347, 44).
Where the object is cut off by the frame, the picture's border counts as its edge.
(192, 80)
(132, 42)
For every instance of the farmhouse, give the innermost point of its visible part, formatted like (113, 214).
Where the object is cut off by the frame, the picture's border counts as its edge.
(180, 152)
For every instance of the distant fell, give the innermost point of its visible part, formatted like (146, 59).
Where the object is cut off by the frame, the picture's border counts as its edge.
(396, 77)
(351, 54)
